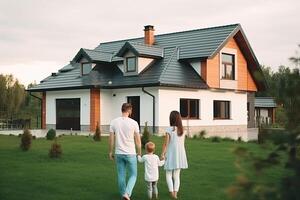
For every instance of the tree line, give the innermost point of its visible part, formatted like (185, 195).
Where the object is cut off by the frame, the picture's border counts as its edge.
(15, 102)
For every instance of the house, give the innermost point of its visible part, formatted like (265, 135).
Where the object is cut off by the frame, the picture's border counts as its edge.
(265, 110)
(210, 75)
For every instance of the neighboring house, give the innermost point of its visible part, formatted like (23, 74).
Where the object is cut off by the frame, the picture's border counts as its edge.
(265, 110)
(210, 75)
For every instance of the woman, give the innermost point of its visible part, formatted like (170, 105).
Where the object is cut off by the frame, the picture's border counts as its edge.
(174, 152)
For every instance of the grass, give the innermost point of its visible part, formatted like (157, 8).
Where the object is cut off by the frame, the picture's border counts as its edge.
(85, 172)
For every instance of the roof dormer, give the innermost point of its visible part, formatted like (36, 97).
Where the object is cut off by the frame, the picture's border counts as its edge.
(137, 57)
(89, 58)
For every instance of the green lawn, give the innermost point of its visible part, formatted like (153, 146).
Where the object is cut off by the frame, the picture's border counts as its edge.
(85, 172)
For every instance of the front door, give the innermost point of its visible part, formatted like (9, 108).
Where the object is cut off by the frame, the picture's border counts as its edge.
(68, 114)
(135, 102)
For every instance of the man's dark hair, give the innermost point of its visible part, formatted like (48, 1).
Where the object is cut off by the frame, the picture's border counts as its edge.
(126, 107)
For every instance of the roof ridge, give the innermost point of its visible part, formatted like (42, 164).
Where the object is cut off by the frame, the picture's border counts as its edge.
(176, 32)
(145, 45)
(98, 51)
(169, 61)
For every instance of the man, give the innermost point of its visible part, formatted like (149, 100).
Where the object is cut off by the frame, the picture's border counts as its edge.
(125, 134)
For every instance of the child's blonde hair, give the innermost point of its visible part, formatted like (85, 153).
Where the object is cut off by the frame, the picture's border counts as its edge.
(150, 147)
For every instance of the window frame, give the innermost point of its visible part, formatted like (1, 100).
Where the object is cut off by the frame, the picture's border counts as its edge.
(188, 117)
(224, 65)
(126, 64)
(81, 70)
(229, 110)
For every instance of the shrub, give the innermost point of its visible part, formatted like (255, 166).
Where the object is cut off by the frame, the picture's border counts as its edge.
(239, 139)
(34, 137)
(51, 134)
(20, 135)
(26, 139)
(227, 139)
(215, 139)
(202, 134)
(195, 136)
(55, 150)
(146, 135)
(97, 135)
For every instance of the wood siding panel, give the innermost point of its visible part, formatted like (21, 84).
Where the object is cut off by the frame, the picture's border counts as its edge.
(244, 78)
(251, 86)
(213, 72)
(94, 108)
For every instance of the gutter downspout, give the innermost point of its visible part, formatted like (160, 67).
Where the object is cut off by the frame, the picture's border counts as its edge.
(40, 99)
(153, 101)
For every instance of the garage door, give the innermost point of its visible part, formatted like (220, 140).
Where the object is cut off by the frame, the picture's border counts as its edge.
(68, 114)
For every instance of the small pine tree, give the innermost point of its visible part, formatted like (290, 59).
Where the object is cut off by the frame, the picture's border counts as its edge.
(55, 150)
(146, 135)
(26, 139)
(97, 135)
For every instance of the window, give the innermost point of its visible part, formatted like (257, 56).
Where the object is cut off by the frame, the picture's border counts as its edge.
(228, 66)
(131, 64)
(189, 108)
(86, 68)
(221, 109)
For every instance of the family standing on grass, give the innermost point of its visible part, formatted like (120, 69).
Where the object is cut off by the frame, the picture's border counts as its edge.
(125, 137)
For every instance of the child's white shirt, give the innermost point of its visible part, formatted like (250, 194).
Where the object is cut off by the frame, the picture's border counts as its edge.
(152, 162)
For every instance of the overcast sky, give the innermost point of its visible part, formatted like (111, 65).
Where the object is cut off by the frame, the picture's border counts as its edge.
(38, 37)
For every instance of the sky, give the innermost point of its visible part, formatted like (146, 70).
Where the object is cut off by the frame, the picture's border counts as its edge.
(38, 37)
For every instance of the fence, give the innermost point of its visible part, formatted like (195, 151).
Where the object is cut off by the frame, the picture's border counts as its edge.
(20, 122)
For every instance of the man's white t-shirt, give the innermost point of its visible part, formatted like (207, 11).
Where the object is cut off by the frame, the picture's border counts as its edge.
(152, 163)
(124, 129)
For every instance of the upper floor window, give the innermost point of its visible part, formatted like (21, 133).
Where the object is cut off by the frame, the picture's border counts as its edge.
(189, 108)
(221, 109)
(86, 68)
(228, 66)
(131, 64)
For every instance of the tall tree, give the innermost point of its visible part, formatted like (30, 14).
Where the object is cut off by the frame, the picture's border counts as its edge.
(296, 59)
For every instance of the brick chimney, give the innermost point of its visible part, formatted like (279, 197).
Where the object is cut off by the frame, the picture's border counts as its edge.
(149, 38)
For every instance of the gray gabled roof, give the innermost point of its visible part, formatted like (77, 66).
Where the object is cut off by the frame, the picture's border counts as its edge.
(164, 72)
(93, 55)
(141, 50)
(62, 79)
(199, 43)
(172, 69)
(265, 102)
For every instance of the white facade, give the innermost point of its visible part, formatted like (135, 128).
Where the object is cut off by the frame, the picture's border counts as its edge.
(169, 100)
(111, 101)
(166, 100)
(84, 96)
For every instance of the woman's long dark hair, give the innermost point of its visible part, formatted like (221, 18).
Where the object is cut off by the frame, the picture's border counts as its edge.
(175, 120)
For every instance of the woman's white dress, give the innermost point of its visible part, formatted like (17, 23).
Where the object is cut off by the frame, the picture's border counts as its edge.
(176, 155)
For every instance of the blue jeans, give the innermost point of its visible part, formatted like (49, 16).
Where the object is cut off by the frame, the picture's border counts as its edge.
(125, 162)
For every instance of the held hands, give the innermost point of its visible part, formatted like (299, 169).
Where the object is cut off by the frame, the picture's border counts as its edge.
(163, 156)
(111, 156)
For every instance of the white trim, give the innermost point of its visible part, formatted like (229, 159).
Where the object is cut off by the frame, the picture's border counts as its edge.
(229, 84)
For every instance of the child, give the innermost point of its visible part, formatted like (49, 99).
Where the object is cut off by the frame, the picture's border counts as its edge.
(152, 163)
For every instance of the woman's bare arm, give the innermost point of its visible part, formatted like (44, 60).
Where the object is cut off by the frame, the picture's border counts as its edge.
(165, 146)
